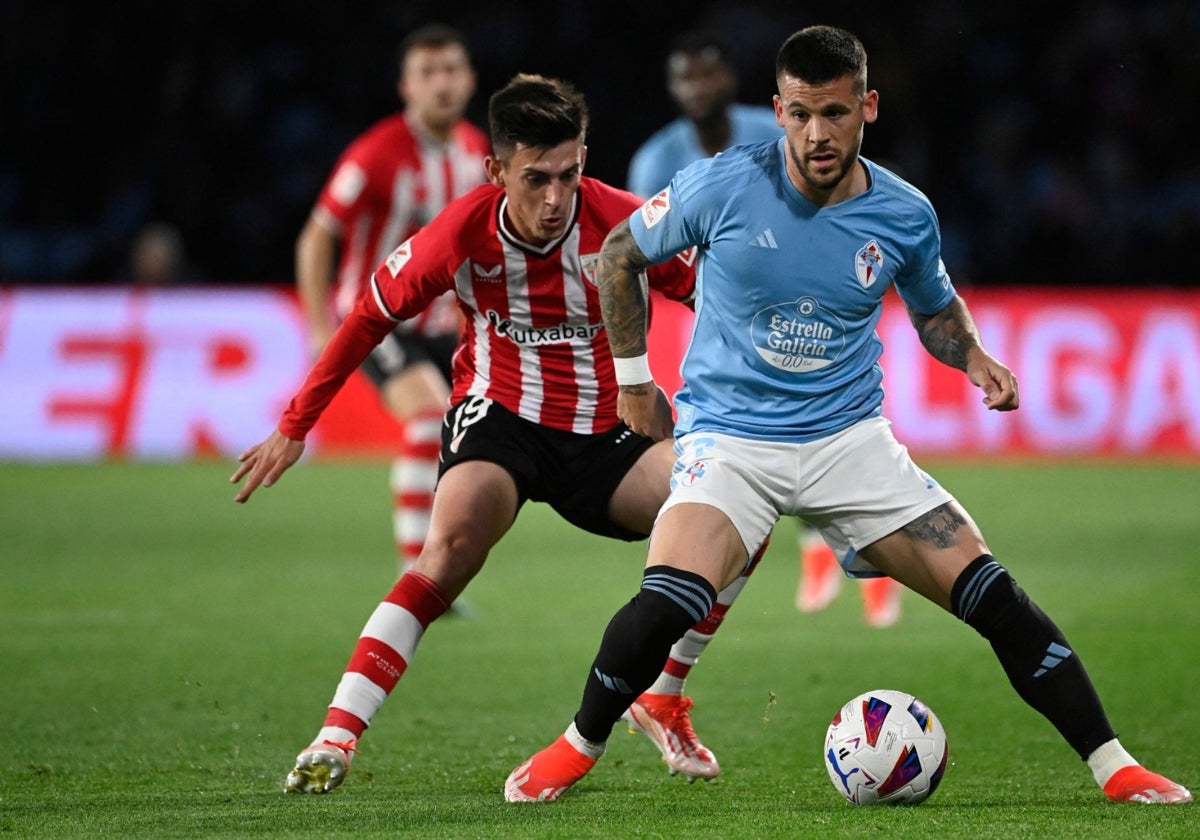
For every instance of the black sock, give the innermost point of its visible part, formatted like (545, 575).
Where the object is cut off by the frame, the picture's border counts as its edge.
(1034, 653)
(637, 643)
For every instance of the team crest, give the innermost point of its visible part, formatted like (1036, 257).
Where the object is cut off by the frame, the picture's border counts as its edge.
(399, 257)
(868, 263)
(587, 265)
(693, 473)
(657, 207)
(688, 257)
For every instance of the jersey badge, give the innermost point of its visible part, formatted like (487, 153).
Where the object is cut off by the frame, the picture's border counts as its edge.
(399, 257)
(347, 184)
(688, 257)
(657, 207)
(868, 263)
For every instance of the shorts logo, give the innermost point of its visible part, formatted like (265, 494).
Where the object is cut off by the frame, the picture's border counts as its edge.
(693, 473)
(399, 257)
(656, 208)
(688, 257)
(868, 263)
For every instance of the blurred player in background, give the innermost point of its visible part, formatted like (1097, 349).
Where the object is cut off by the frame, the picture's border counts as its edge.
(533, 410)
(781, 409)
(158, 258)
(388, 183)
(702, 82)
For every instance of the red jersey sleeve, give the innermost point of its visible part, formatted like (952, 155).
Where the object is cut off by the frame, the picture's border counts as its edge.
(424, 265)
(676, 278)
(352, 342)
(356, 178)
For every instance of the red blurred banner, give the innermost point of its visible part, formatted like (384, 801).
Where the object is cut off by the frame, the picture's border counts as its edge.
(170, 374)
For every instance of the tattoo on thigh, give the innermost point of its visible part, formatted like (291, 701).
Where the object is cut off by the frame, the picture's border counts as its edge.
(938, 526)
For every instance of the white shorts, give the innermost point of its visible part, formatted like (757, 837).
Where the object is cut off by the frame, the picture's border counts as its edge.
(855, 486)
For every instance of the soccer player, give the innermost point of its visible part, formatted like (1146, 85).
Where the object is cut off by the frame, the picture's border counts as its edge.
(388, 183)
(533, 414)
(780, 409)
(703, 84)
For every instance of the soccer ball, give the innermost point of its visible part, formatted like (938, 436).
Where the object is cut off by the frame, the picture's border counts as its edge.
(885, 747)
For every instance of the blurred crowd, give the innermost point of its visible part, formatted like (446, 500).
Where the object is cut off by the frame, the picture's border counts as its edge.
(1055, 139)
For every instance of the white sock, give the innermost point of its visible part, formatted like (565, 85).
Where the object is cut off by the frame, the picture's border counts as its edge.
(667, 684)
(1107, 759)
(335, 734)
(592, 749)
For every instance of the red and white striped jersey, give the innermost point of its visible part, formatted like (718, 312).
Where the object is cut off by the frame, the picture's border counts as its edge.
(534, 338)
(390, 182)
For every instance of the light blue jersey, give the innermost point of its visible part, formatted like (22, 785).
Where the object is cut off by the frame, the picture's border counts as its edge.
(788, 294)
(675, 145)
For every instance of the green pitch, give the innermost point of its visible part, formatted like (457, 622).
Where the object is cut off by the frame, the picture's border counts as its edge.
(165, 653)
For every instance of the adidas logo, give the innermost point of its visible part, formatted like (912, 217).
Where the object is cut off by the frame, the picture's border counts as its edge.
(766, 239)
(1055, 654)
(615, 684)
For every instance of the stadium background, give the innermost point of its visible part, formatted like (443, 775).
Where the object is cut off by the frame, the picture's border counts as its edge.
(1054, 141)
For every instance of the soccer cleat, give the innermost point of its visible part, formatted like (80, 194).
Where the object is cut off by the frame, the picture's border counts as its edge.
(547, 775)
(664, 719)
(820, 578)
(881, 601)
(1137, 784)
(321, 767)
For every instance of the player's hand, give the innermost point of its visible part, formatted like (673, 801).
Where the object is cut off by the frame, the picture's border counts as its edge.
(998, 382)
(263, 463)
(646, 409)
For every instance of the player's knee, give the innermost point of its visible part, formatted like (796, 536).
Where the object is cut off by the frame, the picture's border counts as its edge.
(671, 601)
(987, 598)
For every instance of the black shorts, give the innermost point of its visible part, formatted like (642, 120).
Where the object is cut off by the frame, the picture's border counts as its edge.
(399, 349)
(574, 474)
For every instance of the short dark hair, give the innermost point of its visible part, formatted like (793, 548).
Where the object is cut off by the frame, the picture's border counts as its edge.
(536, 111)
(820, 54)
(431, 35)
(703, 42)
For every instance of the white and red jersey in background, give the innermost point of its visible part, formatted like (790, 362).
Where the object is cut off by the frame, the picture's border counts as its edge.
(388, 183)
(534, 337)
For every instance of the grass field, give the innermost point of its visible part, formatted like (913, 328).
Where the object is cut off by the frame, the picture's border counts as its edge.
(165, 653)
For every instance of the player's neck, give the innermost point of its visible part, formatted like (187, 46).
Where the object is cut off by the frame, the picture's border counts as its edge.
(439, 133)
(715, 133)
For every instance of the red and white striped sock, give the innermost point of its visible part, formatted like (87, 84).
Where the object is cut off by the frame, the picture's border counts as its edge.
(687, 650)
(386, 646)
(414, 477)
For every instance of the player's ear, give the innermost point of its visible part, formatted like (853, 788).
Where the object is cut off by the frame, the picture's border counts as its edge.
(495, 170)
(582, 158)
(871, 106)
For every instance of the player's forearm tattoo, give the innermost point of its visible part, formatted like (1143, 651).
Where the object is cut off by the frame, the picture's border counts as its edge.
(948, 335)
(621, 282)
(938, 526)
(638, 390)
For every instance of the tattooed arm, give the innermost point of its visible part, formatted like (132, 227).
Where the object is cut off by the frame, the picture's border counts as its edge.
(621, 281)
(951, 337)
